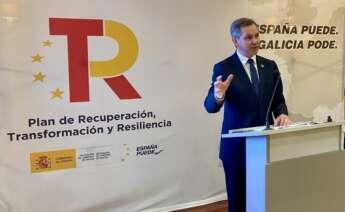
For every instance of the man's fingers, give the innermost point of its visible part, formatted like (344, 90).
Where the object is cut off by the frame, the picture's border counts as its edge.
(282, 120)
(276, 122)
(229, 79)
(287, 121)
(219, 85)
(219, 78)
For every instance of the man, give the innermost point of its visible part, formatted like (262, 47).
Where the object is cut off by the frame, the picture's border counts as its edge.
(244, 84)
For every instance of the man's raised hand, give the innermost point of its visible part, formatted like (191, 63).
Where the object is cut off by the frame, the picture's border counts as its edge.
(220, 86)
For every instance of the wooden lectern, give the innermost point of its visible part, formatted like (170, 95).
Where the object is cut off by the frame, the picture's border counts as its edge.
(298, 168)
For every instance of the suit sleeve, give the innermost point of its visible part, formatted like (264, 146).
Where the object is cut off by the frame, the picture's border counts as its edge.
(210, 103)
(278, 105)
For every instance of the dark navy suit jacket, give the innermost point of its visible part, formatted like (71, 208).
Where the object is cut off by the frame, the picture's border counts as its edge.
(242, 107)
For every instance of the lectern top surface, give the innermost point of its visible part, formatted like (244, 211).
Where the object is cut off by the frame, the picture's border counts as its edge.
(261, 131)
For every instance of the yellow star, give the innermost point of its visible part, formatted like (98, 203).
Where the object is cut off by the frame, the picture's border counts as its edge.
(39, 77)
(47, 43)
(57, 93)
(37, 58)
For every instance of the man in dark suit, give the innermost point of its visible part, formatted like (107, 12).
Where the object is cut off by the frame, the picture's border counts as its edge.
(244, 84)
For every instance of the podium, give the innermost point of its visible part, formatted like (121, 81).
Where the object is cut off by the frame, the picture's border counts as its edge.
(299, 168)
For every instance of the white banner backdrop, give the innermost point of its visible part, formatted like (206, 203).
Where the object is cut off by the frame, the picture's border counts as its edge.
(101, 102)
(80, 134)
(306, 39)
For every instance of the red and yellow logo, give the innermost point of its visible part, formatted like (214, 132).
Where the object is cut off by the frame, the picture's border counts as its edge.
(54, 160)
(80, 69)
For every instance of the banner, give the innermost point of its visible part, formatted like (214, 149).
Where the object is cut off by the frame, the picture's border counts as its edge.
(102, 105)
(306, 39)
(101, 102)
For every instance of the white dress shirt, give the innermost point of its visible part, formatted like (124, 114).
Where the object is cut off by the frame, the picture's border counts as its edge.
(244, 61)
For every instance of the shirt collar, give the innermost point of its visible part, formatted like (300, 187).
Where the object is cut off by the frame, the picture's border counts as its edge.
(244, 59)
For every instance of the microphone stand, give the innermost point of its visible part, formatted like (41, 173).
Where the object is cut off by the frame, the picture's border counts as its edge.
(268, 127)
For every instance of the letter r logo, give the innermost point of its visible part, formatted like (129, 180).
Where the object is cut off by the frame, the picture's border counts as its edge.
(77, 31)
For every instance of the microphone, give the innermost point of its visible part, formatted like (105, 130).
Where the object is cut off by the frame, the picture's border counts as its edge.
(269, 106)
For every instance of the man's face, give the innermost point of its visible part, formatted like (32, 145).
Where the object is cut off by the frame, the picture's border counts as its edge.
(248, 43)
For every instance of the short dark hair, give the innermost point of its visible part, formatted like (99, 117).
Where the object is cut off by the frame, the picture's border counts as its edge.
(237, 24)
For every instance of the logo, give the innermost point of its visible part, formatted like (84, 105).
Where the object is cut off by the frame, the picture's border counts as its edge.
(53, 160)
(145, 150)
(43, 162)
(80, 69)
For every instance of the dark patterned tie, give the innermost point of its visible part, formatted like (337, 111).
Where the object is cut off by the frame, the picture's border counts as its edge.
(254, 76)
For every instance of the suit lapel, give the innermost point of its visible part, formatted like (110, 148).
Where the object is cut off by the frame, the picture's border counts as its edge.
(261, 72)
(242, 75)
(262, 75)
